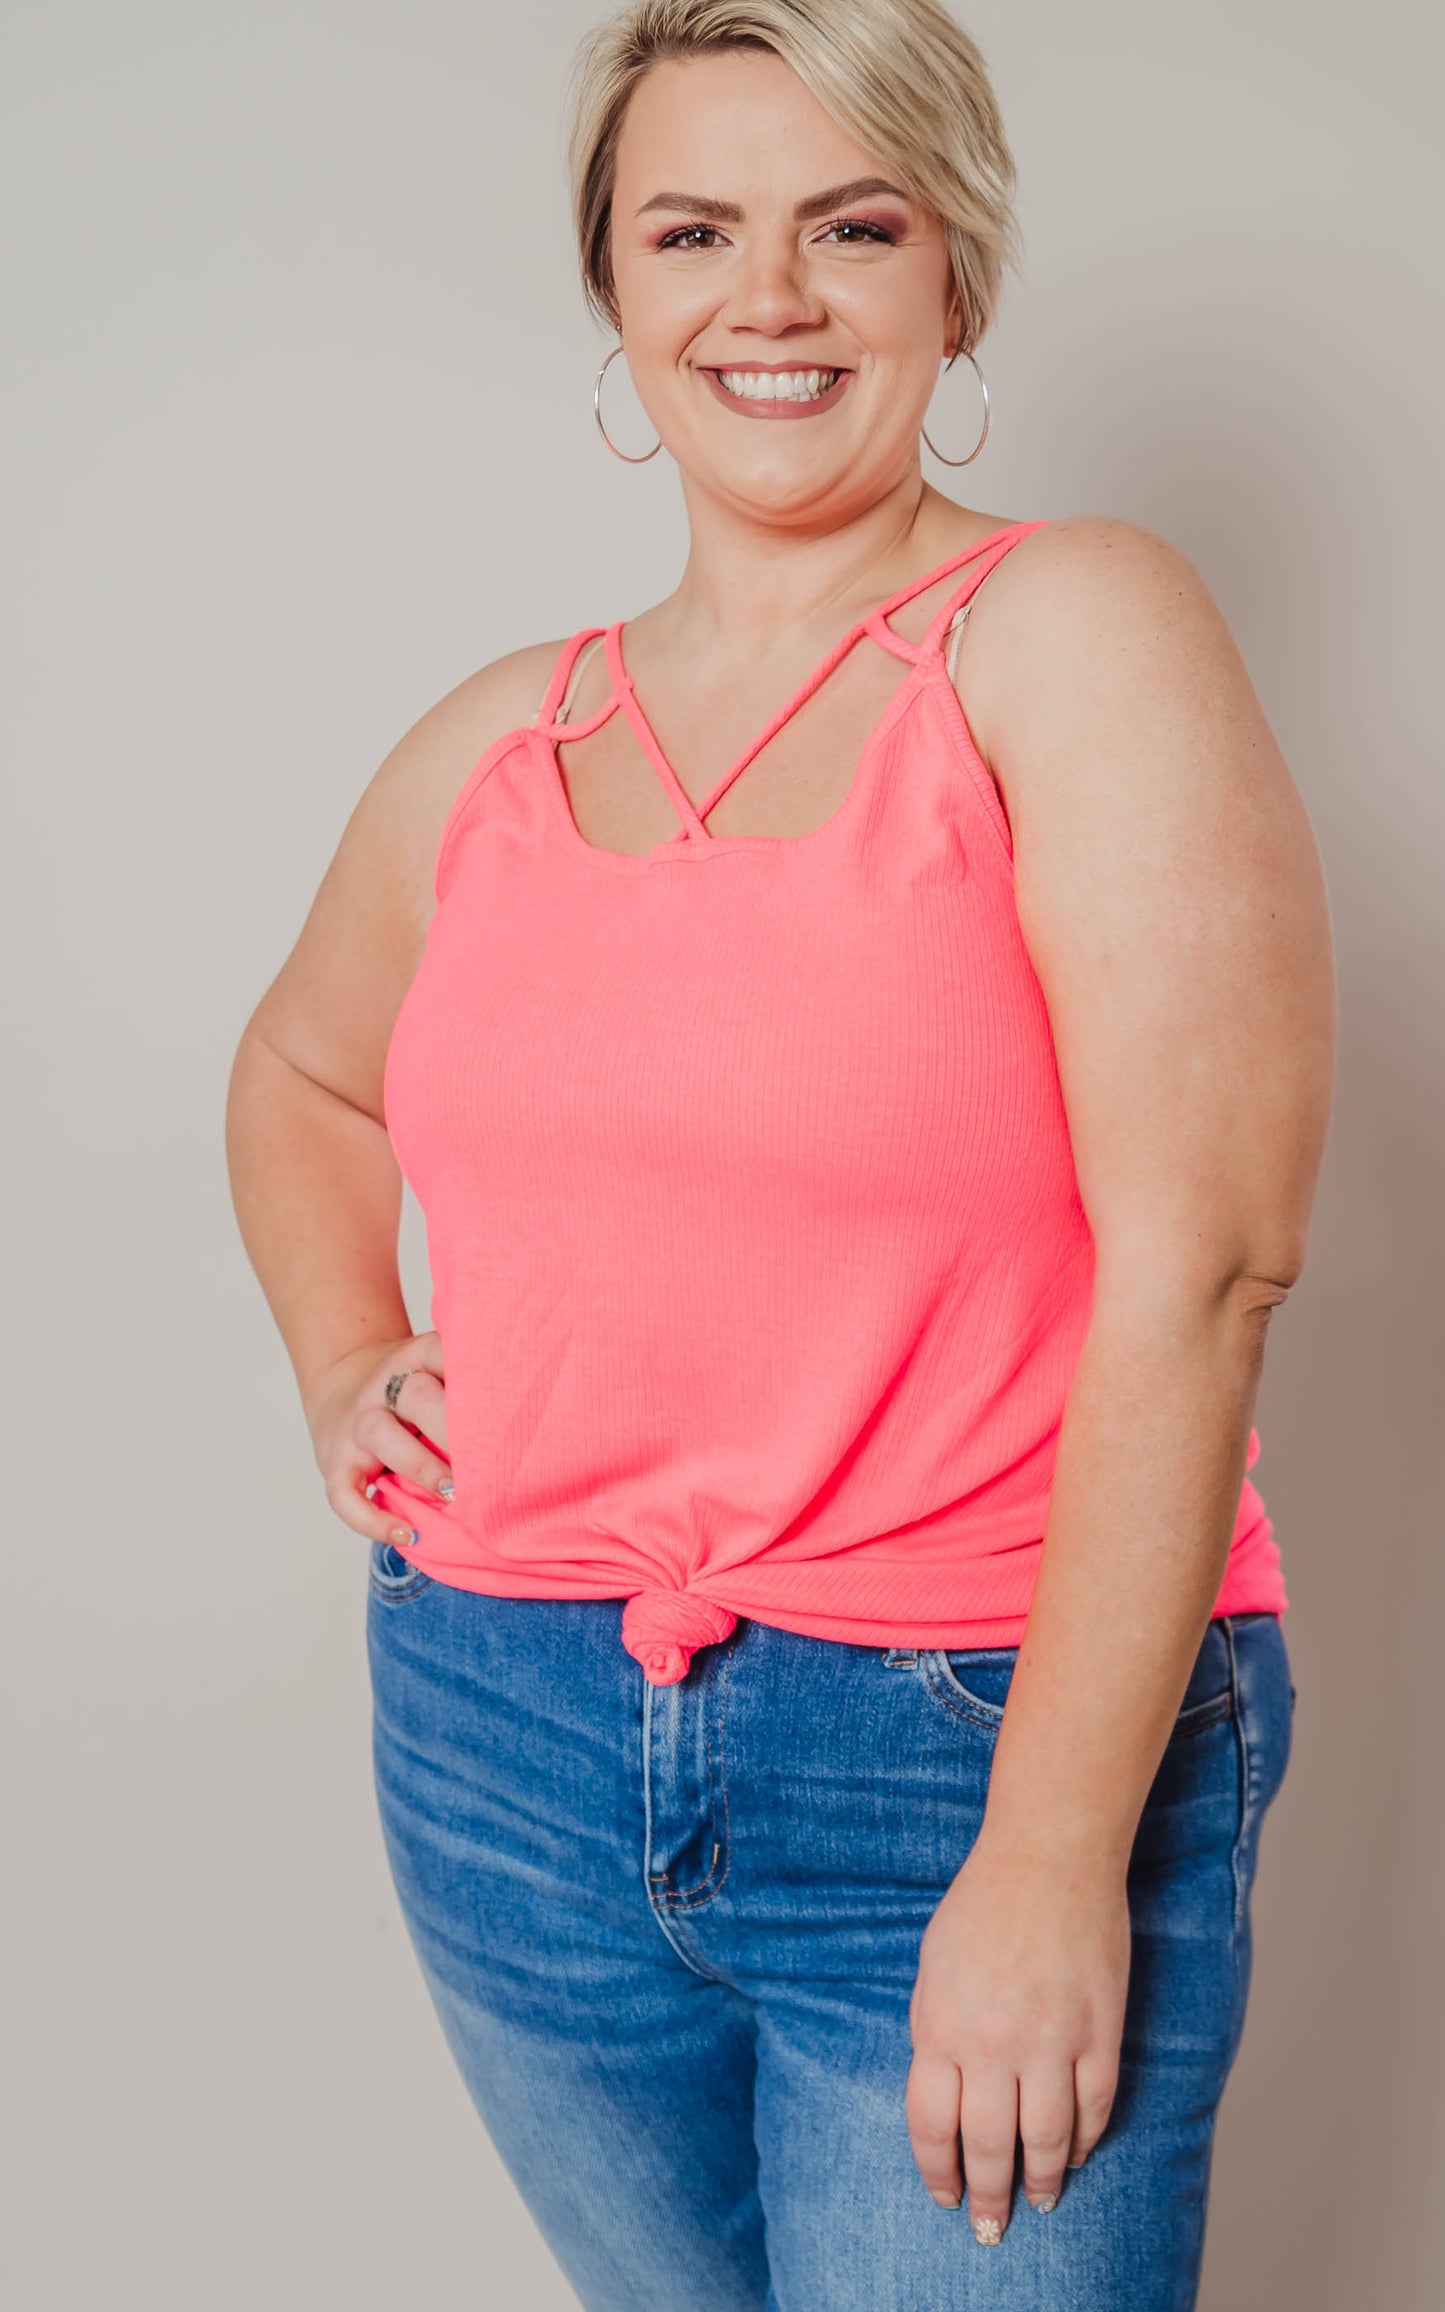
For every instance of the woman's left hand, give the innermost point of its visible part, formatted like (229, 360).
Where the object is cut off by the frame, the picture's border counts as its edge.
(1017, 2017)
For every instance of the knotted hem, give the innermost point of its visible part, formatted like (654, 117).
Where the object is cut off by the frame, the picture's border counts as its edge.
(662, 1630)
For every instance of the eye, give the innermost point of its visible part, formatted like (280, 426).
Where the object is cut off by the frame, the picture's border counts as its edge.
(861, 227)
(685, 237)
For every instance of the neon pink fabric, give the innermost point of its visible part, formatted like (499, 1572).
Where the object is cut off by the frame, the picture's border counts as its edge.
(757, 1248)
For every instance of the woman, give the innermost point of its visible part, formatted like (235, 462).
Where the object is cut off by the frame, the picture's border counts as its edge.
(865, 1076)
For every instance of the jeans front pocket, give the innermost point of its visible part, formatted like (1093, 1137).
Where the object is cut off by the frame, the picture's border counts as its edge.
(974, 1683)
(392, 1577)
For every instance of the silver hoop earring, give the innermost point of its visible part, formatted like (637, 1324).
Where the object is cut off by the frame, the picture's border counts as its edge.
(601, 428)
(983, 437)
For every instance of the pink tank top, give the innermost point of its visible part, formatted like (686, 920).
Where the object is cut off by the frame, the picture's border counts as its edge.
(756, 1243)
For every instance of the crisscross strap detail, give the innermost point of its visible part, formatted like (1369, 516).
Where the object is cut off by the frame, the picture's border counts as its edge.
(693, 816)
(982, 556)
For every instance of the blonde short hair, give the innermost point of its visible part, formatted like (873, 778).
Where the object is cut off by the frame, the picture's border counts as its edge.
(900, 76)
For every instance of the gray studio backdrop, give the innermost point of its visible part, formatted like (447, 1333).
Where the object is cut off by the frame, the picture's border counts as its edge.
(298, 432)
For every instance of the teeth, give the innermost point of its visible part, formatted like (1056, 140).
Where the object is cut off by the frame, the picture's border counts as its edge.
(783, 385)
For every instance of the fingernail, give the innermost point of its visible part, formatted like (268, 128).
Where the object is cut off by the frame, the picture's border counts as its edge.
(1044, 2205)
(988, 2231)
(446, 1489)
(942, 2200)
(401, 1534)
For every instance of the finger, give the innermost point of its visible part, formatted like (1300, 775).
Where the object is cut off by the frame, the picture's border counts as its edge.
(989, 2119)
(421, 1399)
(1046, 2130)
(346, 1494)
(392, 1445)
(1096, 2079)
(931, 2104)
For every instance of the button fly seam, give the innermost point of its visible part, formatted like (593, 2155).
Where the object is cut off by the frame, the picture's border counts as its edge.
(713, 1810)
(704, 1889)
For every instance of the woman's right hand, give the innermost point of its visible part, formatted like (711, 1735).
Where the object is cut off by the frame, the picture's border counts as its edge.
(355, 1434)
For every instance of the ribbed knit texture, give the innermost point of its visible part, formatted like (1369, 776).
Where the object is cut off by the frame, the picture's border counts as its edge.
(756, 1242)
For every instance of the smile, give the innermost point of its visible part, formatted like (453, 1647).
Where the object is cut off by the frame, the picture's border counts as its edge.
(774, 393)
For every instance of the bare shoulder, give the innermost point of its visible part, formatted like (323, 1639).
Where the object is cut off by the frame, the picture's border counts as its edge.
(1152, 810)
(1078, 560)
(416, 784)
(1170, 894)
(1086, 641)
(389, 845)
(331, 1007)
(1157, 829)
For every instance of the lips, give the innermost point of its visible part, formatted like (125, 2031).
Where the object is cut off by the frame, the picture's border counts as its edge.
(751, 406)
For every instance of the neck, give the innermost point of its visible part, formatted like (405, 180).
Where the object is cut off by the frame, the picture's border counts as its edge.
(749, 585)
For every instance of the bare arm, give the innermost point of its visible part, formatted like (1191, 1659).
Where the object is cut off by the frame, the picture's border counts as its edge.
(1172, 900)
(316, 1186)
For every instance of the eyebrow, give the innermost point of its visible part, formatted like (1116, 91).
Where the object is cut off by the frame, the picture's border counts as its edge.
(816, 205)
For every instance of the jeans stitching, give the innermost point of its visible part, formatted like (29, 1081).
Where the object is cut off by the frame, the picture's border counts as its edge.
(392, 1588)
(702, 1891)
(1237, 1849)
(659, 1906)
(953, 1698)
(1246, 1780)
(1200, 1716)
(1197, 1719)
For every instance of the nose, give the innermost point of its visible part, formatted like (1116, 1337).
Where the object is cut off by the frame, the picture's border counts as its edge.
(770, 292)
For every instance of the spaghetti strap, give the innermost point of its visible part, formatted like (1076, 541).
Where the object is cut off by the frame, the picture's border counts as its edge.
(951, 618)
(954, 633)
(574, 677)
(980, 557)
(995, 546)
(992, 549)
(691, 817)
(547, 718)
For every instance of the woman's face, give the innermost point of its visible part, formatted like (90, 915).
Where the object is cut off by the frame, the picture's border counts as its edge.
(759, 253)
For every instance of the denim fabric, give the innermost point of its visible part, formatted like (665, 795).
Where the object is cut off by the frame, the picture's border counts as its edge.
(671, 1933)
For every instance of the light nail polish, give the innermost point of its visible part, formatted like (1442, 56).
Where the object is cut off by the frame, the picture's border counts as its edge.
(942, 2200)
(401, 1534)
(1045, 2204)
(988, 2231)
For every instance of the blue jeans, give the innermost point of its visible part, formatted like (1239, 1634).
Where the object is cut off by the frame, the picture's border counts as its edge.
(671, 1933)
